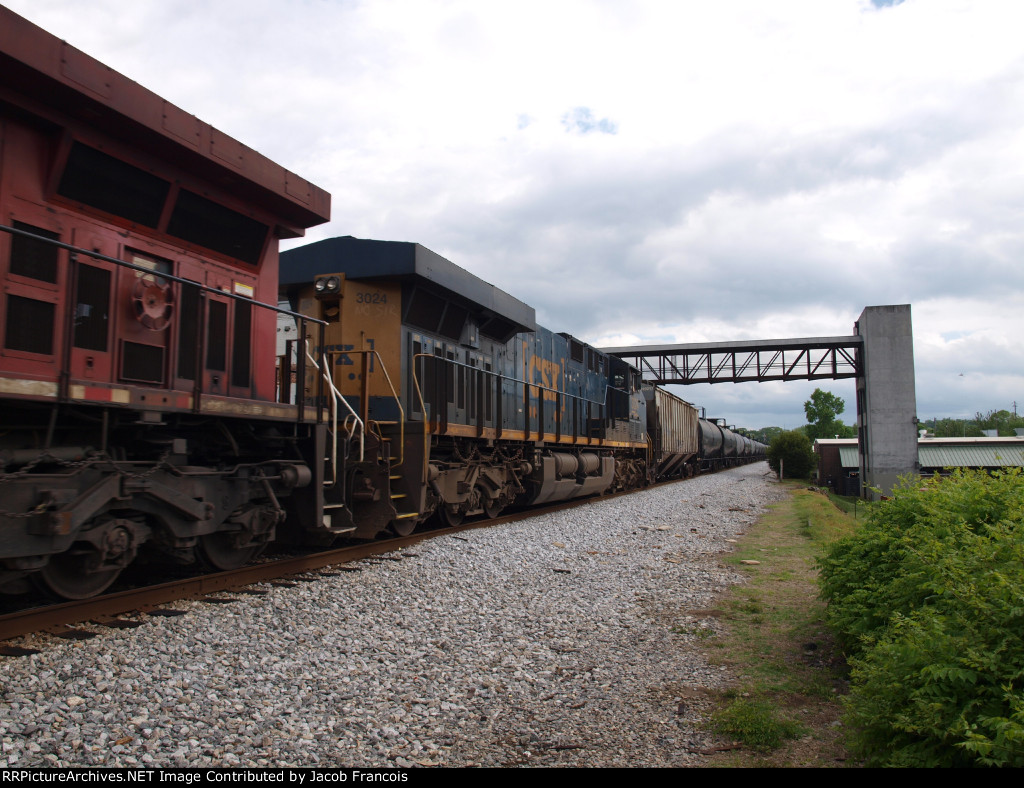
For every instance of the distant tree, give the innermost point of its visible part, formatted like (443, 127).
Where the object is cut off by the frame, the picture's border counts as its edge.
(954, 428)
(756, 435)
(822, 410)
(1001, 420)
(794, 450)
(767, 434)
(836, 430)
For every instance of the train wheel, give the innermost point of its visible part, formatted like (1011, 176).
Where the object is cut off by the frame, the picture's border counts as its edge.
(72, 574)
(218, 551)
(492, 508)
(404, 527)
(450, 515)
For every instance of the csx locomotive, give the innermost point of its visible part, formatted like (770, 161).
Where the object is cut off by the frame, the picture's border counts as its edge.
(460, 404)
(146, 412)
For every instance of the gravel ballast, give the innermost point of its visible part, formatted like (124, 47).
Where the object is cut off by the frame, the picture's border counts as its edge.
(566, 639)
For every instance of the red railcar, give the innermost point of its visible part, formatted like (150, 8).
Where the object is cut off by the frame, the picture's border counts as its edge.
(138, 254)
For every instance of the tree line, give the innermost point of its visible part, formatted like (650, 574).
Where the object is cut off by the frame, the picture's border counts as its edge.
(824, 408)
(794, 447)
(1003, 421)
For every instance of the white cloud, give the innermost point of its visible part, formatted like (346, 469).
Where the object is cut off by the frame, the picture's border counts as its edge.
(775, 167)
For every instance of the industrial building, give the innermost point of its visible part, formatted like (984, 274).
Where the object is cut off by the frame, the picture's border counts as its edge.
(839, 465)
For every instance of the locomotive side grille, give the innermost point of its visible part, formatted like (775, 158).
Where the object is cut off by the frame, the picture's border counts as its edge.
(453, 322)
(111, 185)
(92, 313)
(497, 328)
(204, 222)
(188, 332)
(32, 258)
(29, 325)
(450, 376)
(425, 310)
(142, 363)
(241, 347)
(217, 337)
(485, 380)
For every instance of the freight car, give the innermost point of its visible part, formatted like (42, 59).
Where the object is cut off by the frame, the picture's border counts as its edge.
(683, 444)
(144, 415)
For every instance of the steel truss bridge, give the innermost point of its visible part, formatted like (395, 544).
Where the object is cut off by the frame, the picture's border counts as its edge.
(814, 358)
(880, 355)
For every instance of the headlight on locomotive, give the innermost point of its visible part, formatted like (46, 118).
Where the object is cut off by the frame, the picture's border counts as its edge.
(327, 285)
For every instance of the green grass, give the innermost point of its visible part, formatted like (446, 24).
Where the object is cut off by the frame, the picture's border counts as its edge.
(755, 723)
(775, 638)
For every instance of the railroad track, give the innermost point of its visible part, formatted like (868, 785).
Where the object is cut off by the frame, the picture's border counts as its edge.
(106, 610)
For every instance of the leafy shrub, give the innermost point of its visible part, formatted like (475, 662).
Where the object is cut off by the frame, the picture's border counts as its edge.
(794, 449)
(928, 600)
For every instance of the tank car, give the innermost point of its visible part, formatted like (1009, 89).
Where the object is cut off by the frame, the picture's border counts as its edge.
(138, 400)
(457, 401)
(722, 448)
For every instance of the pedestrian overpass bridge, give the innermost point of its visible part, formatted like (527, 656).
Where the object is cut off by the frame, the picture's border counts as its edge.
(879, 355)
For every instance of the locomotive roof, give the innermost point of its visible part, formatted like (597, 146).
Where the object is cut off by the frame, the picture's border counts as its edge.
(360, 258)
(59, 82)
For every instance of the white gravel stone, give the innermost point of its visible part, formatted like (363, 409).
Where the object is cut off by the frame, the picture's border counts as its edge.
(566, 639)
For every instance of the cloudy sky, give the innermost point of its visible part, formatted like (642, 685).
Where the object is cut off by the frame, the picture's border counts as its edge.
(645, 171)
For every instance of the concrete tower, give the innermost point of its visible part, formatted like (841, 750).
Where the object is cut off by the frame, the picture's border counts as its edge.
(886, 398)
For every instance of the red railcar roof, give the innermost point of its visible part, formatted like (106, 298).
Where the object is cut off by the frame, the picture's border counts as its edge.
(47, 72)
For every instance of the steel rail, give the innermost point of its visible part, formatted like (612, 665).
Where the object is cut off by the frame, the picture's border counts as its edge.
(144, 599)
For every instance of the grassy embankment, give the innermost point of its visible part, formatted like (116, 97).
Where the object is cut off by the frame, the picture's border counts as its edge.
(784, 709)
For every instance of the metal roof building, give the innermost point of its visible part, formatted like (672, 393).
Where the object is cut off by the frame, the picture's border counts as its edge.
(936, 453)
(839, 465)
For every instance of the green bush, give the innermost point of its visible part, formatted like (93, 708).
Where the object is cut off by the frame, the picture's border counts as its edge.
(928, 599)
(794, 449)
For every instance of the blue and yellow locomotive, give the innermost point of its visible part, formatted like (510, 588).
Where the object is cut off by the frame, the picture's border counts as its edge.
(450, 397)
